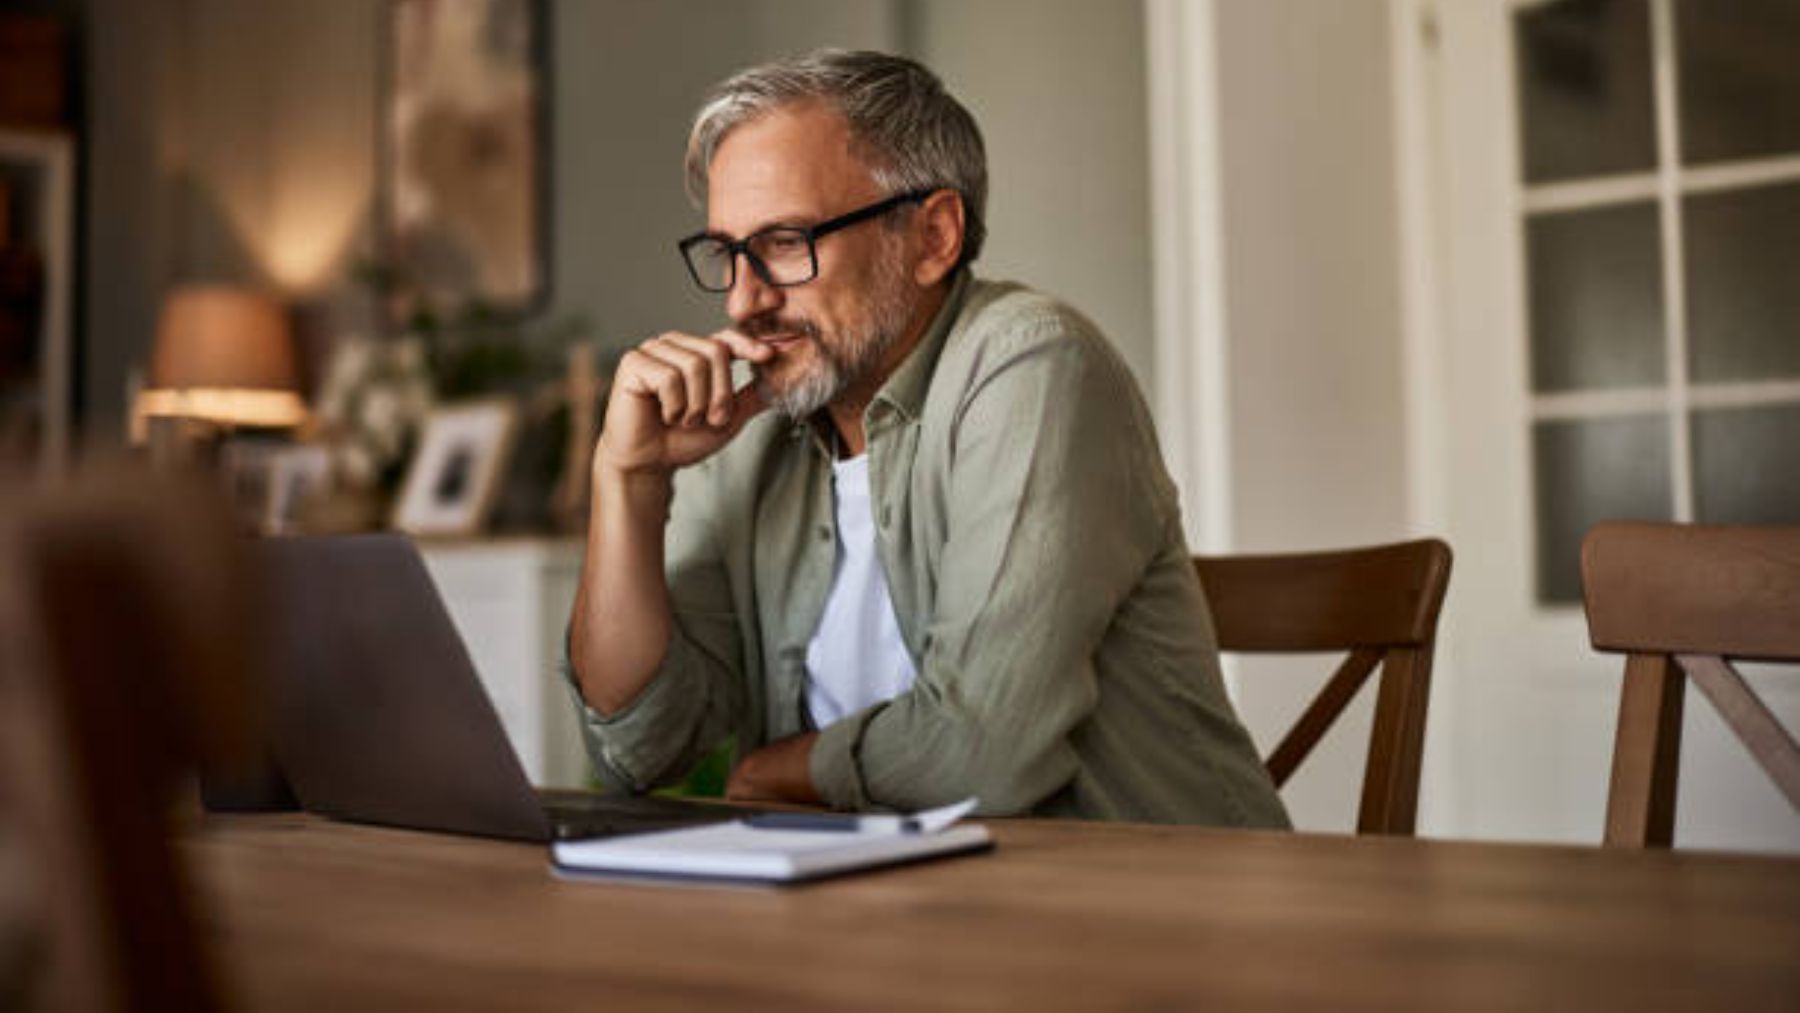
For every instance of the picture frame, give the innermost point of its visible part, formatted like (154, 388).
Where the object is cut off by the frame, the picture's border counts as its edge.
(272, 482)
(298, 476)
(455, 473)
(245, 465)
(464, 154)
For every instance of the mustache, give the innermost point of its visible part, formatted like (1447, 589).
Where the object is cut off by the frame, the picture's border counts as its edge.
(766, 324)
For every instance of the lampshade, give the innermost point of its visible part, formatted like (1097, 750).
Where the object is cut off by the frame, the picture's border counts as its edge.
(225, 355)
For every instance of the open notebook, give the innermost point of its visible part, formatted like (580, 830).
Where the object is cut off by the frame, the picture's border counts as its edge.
(774, 847)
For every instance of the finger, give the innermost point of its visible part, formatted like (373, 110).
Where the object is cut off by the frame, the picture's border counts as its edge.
(743, 347)
(657, 377)
(639, 373)
(696, 374)
(718, 359)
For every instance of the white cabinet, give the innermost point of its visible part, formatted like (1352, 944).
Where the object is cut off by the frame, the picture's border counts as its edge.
(510, 600)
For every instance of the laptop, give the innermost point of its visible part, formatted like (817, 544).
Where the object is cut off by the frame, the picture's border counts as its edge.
(377, 714)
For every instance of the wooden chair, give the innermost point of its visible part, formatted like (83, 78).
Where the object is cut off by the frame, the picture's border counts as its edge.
(1380, 604)
(122, 660)
(1685, 599)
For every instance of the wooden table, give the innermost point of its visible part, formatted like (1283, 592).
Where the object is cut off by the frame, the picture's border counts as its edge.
(314, 915)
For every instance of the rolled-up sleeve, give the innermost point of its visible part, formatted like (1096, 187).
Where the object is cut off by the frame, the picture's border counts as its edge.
(1054, 515)
(691, 704)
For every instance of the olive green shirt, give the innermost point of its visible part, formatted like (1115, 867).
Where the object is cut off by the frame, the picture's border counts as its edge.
(1033, 549)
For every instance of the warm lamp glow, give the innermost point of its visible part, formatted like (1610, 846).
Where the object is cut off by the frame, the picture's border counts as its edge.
(308, 233)
(269, 408)
(224, 355)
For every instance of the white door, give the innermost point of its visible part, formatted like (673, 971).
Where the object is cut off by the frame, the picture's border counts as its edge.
(1614, 213)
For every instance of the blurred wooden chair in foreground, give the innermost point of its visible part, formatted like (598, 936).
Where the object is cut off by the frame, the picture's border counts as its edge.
(1684, 599)
(123, 623)
(1381, 605)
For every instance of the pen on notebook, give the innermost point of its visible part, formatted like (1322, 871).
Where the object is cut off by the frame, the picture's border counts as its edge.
(928, 821)
(840, 822)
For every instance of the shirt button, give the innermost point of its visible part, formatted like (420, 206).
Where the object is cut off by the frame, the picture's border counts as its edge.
(824, 533)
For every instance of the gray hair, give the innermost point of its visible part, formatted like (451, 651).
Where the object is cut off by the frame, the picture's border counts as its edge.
(909, 131)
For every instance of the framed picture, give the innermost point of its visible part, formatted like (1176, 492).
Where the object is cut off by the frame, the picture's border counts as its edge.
(298, 476)
(271, 482)
(463, 161)
(455, 474)
(245, 464)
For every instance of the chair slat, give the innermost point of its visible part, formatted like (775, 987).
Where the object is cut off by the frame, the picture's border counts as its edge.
(1640, 808)
(1747, 715)
(1390, 798)
(1321, 714)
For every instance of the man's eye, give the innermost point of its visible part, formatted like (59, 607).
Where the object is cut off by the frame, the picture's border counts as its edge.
(784, 243)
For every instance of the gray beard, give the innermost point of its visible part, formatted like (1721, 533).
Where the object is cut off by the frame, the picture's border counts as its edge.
(815, 390)
(854, 357)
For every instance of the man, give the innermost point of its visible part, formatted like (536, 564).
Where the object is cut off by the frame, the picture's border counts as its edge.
(931, 551)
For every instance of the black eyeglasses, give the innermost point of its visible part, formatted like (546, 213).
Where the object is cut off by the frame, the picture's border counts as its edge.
(781, 255)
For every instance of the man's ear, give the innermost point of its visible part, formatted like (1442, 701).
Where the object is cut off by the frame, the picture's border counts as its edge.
(940, 224)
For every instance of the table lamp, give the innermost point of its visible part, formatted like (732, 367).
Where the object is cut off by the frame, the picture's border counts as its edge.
(224, 356)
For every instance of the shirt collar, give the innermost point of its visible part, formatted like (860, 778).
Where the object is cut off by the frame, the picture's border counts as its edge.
(906, 389)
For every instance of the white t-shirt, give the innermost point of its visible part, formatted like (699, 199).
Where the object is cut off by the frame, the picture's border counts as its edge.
(856, 657)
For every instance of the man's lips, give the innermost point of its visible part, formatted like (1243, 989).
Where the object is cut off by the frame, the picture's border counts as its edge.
(782, 339)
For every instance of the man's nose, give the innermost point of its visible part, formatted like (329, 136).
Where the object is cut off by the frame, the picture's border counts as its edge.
(750, 295)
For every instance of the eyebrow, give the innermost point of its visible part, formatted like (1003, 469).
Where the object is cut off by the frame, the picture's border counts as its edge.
(778, 223)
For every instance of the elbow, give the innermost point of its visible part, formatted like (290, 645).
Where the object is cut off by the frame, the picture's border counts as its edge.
(592, 694)
(1010, 793)
(1010, 781)
(607, 686)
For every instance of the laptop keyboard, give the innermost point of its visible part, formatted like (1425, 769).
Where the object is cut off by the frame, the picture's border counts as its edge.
(577, 814)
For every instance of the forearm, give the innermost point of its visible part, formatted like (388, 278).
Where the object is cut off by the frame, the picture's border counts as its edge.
(778, 772)
(620, 629)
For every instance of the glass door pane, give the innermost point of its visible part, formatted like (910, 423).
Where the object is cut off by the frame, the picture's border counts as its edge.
(1585, 106)
(1747, 465)
(1739, 77)
(1743, 277)
(1592, 470)
(1595, 284)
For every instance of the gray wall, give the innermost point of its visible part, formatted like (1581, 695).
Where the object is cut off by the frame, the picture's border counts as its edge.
(131, 225)
(1058, 87)
(629, 76)
(233, 140)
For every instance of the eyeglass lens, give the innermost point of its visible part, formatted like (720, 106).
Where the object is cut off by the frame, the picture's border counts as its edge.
(780, 256)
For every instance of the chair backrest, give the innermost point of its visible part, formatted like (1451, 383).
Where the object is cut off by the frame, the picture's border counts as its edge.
(1381, 605)
(122, 665)
(1684, 599)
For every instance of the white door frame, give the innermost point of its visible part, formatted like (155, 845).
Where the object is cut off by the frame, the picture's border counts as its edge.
(1419, 181)
(1187, 251)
